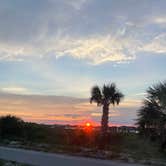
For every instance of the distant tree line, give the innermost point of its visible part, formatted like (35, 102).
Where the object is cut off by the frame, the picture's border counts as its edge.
(14, 128)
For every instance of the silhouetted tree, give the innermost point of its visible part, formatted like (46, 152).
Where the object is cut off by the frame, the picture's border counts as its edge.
(152, 116)
(157, 93)
(149, 117)
(11, 126)
(108, 94)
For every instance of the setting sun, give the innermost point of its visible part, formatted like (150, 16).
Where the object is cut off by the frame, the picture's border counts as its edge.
(88, 124)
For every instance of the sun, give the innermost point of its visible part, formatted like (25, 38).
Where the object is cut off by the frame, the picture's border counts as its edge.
(88, 124)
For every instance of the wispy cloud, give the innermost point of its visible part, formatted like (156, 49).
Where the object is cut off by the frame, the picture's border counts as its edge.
(15, 90)
(160, 20)
(157, 45)
(77, 4)
(93, 49)
(97, 49)
(92, 31)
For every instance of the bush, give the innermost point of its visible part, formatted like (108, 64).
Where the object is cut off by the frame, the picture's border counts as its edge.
(11, 127)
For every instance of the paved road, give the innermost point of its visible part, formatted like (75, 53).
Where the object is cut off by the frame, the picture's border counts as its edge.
(50, 159)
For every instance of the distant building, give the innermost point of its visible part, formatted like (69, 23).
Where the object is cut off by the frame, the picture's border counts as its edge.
(123, 129)
(112, 129)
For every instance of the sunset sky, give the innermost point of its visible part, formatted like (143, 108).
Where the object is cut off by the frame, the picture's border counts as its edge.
(53, 51)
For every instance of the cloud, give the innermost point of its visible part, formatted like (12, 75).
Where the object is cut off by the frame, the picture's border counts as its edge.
(111, 114)
(15, 90)
(77, 4)
(157, 45)
(93, 31)
(93, 49)
(97, 49)
(160, 20)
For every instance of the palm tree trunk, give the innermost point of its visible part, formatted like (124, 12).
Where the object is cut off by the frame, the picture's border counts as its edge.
(104, 121)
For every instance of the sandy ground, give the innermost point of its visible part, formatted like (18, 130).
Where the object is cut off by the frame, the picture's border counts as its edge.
(50, 159)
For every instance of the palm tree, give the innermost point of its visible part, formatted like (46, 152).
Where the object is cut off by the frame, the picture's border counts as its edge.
(158, 94)
(149, 117)
(108, 94)
(152, 116)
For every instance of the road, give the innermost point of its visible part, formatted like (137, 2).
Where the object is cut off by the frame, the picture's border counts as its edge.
(49, 159)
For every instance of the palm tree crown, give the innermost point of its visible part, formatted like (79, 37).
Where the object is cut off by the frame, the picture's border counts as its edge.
(158, 94)
(108, 94)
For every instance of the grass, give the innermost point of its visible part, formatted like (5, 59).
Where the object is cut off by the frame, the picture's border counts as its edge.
(141, 148)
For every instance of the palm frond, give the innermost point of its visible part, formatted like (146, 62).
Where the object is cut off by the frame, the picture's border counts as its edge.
(96, 95)
(112, 94)
(158, 94)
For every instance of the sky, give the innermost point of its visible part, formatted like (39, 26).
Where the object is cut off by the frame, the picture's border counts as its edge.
(53, 51)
